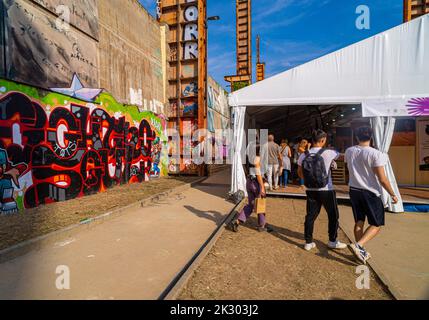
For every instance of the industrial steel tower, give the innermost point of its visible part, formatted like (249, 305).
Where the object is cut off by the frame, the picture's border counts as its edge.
(260, 66)
(244, 46)
(187, 72)
(415, 8)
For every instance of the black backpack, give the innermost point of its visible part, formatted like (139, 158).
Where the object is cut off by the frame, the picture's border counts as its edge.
(314, 169)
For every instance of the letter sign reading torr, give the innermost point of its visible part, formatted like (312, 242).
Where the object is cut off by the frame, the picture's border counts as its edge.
(190, 49)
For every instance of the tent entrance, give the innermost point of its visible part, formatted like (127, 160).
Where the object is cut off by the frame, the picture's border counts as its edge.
(294, 122)
(408, 148)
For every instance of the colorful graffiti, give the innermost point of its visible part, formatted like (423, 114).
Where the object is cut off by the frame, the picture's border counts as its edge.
(190, 90)
(189, 108)
(218, 115)
(55, 147)
(9, 173)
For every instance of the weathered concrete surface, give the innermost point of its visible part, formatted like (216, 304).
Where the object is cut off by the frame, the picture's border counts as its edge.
(112, 44)
(399, 254)
(83, 13)
(134, 256)
(41, 53)
(131, 60)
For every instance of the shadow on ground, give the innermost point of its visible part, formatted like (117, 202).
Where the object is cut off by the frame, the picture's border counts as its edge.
(211, 215)
(297, 239)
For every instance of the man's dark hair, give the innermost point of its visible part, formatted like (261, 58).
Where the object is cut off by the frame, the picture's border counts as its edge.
(258, 150)
(318, 135)
(364, 134)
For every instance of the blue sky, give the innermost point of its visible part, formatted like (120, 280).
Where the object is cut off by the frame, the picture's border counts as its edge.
(292, 31)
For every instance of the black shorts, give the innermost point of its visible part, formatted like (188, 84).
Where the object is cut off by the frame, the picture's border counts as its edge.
(367, 204)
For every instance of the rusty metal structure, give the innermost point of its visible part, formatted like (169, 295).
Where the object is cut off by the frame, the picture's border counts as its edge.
(260, 66)
(415, 8)
(244, 46)
(187, 69)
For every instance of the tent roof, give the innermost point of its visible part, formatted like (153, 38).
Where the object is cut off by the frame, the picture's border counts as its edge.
(391, 65)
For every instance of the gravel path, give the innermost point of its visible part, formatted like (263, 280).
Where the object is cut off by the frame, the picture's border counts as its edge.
(251, 265)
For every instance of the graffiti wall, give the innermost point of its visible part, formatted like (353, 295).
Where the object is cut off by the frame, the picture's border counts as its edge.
(218, 109)
(63, 144)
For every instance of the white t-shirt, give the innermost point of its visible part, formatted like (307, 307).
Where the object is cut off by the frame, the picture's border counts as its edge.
(328, 156)
(361, 161)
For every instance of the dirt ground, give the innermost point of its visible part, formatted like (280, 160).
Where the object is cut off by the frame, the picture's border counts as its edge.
(251, 265)
(35, 222)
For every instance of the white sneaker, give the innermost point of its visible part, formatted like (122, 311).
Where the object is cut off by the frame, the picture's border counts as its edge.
(360, 253)
(309, 246)
(336, 245)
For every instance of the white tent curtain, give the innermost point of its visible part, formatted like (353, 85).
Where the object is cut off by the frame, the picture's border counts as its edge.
(384, 128)
(238, 176)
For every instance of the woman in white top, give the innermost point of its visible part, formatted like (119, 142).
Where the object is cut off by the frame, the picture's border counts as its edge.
(286, 166)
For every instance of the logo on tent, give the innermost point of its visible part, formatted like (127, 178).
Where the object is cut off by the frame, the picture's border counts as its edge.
(418, 106)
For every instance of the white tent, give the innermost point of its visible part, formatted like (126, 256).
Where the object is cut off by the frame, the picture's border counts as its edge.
(385, 74)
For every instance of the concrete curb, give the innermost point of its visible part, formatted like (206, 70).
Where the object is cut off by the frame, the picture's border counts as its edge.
(52, 237)
(177, 285)
(380, 274)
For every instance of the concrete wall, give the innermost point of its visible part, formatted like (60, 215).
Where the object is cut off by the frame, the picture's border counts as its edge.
(113, 44)
(130, 51)
(41, 51)
(83, 13)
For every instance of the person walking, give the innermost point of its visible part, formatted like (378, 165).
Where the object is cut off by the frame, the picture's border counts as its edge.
(367, 178)
(295, 157)
(256, 189)
(314, 167)
(274, 159)
(286, 165)
(303, 147)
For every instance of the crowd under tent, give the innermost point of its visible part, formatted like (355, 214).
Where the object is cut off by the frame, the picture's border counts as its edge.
(382, 80)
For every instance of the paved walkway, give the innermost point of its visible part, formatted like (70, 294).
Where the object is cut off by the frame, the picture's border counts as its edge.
(133, 256)
(400, 253)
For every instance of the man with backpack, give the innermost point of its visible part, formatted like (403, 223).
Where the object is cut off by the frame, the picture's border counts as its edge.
(314, 166)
